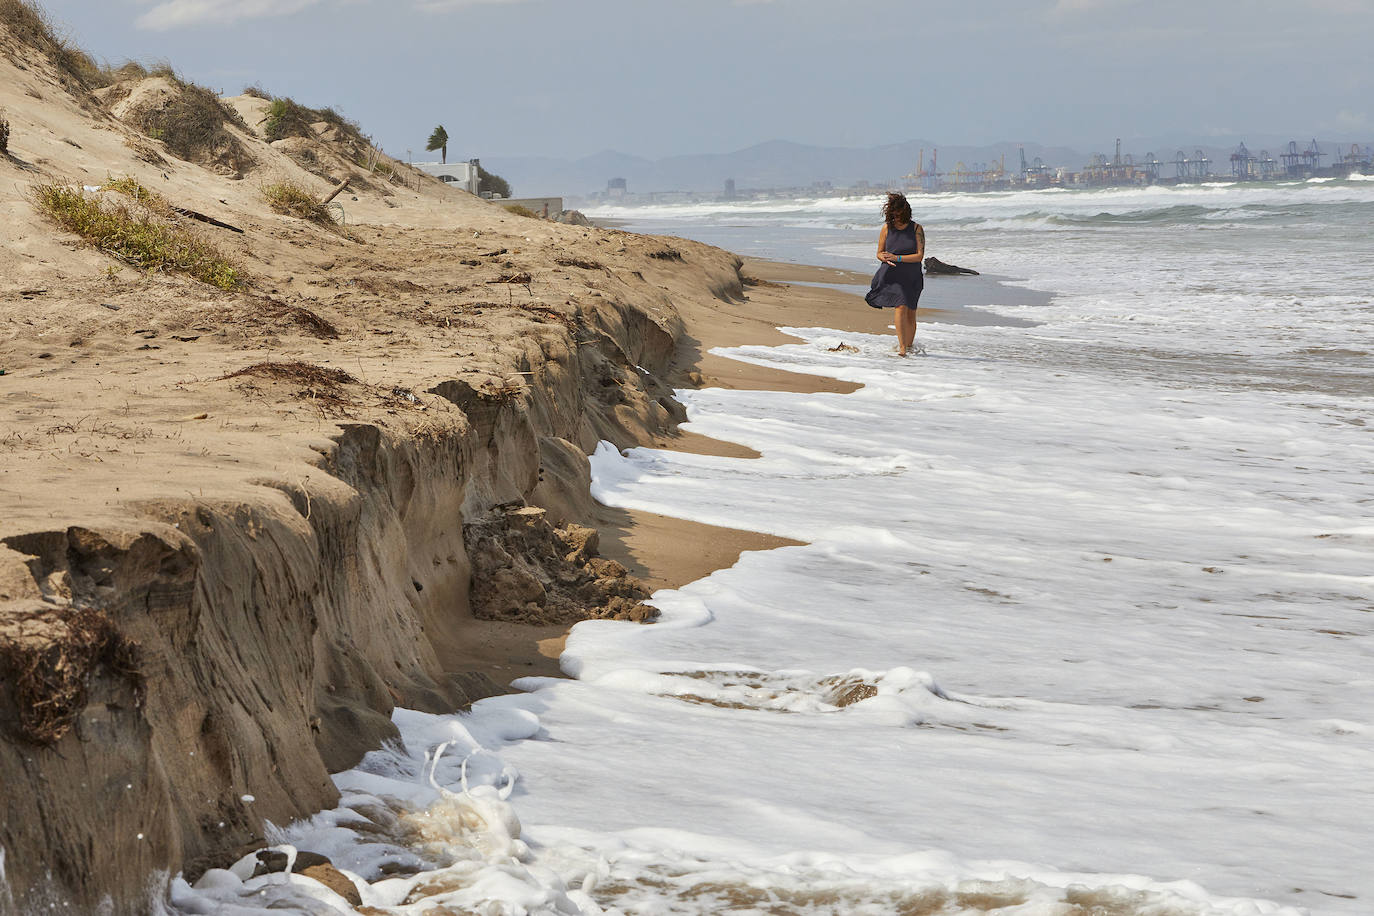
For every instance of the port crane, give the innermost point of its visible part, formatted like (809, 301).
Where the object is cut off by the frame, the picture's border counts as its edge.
(927, 181)
(1036, 173)
(1196, 169)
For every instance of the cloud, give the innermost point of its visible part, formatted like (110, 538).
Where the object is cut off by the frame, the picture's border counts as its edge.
(1351, 120)
(173, 14)
(1352, 7)
(443, 6)
(1071, 7)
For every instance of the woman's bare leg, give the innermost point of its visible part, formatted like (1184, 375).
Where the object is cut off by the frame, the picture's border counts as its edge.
(906, 329)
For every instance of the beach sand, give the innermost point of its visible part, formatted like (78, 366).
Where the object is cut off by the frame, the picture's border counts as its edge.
(244, 524)
(667, 552)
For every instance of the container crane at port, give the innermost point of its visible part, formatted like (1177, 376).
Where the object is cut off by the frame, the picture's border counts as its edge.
(1243, 165)
(1036, 173)
(921, 178)
(1196, 168)
(998, 173)
(1304, 163)
(1356, 160)
(1268, 166)
(1292, 160)
(929, 180)
(1314, 155)
(1151, 166)
(912, 180)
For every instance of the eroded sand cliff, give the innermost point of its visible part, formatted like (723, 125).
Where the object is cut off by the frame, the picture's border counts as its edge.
(232, 535)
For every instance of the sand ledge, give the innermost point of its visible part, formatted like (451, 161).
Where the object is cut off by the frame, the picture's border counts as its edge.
(232, 525)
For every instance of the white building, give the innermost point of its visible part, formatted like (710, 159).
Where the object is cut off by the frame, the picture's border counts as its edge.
(463, 175)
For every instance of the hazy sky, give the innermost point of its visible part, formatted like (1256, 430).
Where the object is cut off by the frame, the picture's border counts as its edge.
(566, 78)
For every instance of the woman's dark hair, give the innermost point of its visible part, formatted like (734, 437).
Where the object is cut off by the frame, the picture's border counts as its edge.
(896, 210)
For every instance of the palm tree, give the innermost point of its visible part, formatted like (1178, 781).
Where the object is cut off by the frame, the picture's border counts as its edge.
(439, 140)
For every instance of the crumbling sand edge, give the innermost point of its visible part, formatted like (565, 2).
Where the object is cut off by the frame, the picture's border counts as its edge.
(275, 635)
(233, 523)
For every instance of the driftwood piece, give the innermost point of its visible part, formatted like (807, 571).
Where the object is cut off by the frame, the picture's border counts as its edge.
(335, 193)
(936, 266)
(193, 214)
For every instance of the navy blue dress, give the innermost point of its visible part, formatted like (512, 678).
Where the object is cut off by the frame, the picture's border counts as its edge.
(898, 284)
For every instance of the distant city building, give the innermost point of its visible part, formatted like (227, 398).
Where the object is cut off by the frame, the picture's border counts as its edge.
(616, 188)
(465, 175)
(729, 189)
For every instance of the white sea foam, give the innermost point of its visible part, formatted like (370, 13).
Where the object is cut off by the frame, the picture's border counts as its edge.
(1082, 618)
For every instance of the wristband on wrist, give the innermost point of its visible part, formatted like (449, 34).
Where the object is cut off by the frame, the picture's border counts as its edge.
(899, 259)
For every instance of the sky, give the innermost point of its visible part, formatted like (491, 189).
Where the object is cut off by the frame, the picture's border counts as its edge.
(654, 78)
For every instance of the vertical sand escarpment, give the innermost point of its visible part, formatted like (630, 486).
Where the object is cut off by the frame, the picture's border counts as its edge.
(232, 521)
(243, 649)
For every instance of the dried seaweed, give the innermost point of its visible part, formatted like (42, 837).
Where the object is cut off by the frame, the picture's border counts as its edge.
(309, 322)
(50, 673)
(296, 371)
(579, 262)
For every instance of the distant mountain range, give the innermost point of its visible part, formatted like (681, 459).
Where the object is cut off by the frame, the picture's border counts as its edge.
(783, 164)
(775, 164)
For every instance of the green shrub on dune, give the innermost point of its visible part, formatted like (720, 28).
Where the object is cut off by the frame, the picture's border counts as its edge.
(131, 189)
(140, 239)
(293, 200)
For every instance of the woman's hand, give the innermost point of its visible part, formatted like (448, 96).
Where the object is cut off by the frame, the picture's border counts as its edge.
(887, 257)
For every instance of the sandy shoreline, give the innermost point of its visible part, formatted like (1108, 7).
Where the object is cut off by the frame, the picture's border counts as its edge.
(244, 523)
(247, 523)
(668, 552)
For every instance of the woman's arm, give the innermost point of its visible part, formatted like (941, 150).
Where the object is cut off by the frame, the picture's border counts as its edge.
(920, 254)
(882, 248)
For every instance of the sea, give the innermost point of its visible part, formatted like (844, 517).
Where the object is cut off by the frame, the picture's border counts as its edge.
(1083, 623)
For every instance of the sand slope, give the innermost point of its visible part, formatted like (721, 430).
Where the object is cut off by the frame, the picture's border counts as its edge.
(232, 524)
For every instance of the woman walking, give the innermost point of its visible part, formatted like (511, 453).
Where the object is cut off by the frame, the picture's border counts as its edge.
(898, 283)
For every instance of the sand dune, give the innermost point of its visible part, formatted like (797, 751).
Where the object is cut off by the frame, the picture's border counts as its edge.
(233, 526)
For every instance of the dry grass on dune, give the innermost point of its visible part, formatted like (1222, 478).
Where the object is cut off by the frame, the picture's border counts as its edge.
(194, 125)
(141, 239)
(31, 26)
(330, 139)
(292, 200)
(34, 28)
(136, 192)
(286, 118)
(289, 118)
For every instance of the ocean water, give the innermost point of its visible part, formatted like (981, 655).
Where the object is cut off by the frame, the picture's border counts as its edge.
(1084, 622)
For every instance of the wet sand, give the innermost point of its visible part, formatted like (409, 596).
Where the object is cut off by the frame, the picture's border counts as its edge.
(668, 552)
